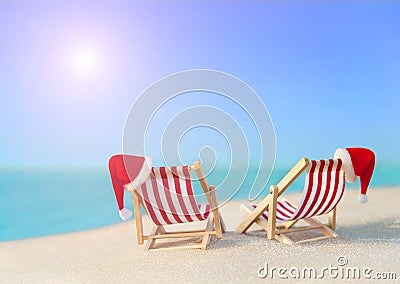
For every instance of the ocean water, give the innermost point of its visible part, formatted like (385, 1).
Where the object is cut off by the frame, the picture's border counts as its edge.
(43, 202)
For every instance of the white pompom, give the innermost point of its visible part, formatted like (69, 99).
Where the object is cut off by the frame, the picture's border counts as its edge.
(362, 198)
(125, 214)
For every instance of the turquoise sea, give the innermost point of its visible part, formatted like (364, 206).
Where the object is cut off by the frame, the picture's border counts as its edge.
(39, 202)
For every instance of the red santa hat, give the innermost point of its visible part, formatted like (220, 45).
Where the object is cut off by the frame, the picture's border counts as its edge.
(128, 173)
(357, 162)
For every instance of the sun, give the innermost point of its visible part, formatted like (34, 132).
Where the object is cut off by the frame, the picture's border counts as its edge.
(84, 61)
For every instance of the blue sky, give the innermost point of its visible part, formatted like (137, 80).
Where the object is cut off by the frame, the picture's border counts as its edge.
(70, 71)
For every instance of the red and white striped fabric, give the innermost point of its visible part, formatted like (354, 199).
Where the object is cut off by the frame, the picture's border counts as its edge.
(323, 189)
(169, 198)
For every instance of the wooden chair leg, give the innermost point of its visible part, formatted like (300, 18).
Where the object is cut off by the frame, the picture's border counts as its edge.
(215, 211)
(209, 228)
(332, 219)
(271, 225)
(138, 218)
(150, 240)
(217, 225)
(209, 191)
(223, 227)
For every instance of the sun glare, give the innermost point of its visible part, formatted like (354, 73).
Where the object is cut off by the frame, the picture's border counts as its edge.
(84, 61)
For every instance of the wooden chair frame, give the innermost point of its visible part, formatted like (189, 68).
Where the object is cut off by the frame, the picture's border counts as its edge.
(279, 232)
(214, 225)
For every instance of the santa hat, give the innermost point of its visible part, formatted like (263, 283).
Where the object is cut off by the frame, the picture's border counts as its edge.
(129, 173)
(357, 162)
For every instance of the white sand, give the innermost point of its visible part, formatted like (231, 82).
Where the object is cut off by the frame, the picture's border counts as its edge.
(369, 235)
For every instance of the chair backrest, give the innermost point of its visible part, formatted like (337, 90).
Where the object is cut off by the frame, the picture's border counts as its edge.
(169, 198)
(323, 188)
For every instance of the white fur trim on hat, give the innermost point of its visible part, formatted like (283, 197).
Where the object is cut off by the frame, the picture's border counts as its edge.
(142, 176)
(125, 214)
(362, 198)
(347, 164)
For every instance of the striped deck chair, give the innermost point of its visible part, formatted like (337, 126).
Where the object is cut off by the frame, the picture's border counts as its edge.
(323, 189)
(168, 198)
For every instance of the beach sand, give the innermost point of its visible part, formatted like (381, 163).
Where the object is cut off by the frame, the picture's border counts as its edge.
(369, 236)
